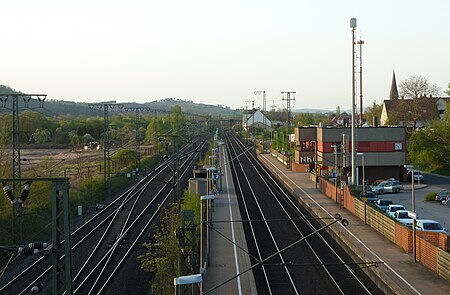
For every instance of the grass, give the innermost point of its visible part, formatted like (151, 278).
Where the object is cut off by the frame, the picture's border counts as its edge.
(431, 196)
(441, 171)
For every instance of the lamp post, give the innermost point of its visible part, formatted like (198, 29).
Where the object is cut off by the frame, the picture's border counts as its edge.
(315, 161)
(335, 147)
(353, 129)
(363, 187)
(363, 172)
(413, 208)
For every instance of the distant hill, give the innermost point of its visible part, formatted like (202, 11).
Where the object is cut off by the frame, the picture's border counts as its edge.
(313, 111)
(306, 110)
(7, 90)
(52, 107)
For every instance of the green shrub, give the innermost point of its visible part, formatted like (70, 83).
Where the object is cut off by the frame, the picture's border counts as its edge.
(431, 196)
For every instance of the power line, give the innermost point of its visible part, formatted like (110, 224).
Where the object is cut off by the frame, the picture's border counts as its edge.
(288, 100)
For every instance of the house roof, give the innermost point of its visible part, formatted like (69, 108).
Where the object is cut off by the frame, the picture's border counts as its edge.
(405, 105)
(340, 120)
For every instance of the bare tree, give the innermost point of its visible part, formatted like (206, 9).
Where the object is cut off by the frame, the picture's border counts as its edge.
(417, 86)
(410, 112)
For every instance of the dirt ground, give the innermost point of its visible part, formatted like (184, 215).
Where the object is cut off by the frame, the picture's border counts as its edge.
(34, 158)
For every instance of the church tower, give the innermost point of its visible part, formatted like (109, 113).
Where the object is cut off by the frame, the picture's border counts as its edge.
(394, 92)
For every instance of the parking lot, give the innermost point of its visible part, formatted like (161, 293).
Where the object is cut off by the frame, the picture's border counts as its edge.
(425, 210)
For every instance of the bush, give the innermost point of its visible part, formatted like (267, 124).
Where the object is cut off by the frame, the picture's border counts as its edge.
(430, 196)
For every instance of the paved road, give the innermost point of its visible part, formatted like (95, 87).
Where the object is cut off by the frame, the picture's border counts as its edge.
(426, 210)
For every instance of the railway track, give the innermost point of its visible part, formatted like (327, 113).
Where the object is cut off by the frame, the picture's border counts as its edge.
(273, 220)
(104, 243)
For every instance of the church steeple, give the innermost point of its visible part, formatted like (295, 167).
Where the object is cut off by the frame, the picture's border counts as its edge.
(394, 92)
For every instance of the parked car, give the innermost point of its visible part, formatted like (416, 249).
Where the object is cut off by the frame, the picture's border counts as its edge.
(402, 216)
(372, 198)
(442, 195)
(394, 208)
(388, 186)
(418, 177)
(383, 204)
(430, 225)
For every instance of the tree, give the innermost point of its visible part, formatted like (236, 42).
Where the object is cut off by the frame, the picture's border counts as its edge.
(430, 147)
(448, 90)
(87, 138)
(304, 119)
(417, 86)
(176, 118)
(41, 135)
(373, 111)
(409, 112)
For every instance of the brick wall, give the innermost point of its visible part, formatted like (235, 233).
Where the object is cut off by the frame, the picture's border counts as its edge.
(444, 242)
(431, 237)
(296, 167)
(426, 253)
(403, 237)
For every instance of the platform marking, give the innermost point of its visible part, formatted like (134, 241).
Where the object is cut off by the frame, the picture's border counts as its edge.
(232, 224)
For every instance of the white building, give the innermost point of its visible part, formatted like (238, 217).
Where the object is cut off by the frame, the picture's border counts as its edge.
(257, 120)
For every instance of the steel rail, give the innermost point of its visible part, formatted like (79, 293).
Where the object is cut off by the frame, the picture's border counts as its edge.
(110, 252)
(311, 226)
(268, 229)
(125, 197)
(123, 229)
(290, 218)
(142, 232)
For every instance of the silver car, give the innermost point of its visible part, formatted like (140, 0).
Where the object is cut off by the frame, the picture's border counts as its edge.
(388, 186)
(430, 225)
(393, 208)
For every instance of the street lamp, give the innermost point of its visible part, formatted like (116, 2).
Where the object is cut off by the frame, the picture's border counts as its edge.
(363, 188)
(335, 147)
(413, 207)
(315, 160)
(353, 129)
(363, 180)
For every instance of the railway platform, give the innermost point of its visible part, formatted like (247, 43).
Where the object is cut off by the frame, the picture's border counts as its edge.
(396, 269)
(226, 259)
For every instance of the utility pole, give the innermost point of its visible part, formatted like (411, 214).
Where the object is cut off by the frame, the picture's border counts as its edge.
(360, 42)
(288, 100)
(353, 27)
(61, 247)
(246, 124)
(106, 141)
(137, 135)
(16, 169)
(263, 92)
(253, 118)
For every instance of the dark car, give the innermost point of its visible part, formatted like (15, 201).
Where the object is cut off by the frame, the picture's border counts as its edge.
(418, 177)
(372, 198)
(442, 195)
(383, 204)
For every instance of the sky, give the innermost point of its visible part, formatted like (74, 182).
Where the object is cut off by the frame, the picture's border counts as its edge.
(220, 52)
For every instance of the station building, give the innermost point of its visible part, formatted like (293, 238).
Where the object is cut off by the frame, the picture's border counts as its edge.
(328, 150)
